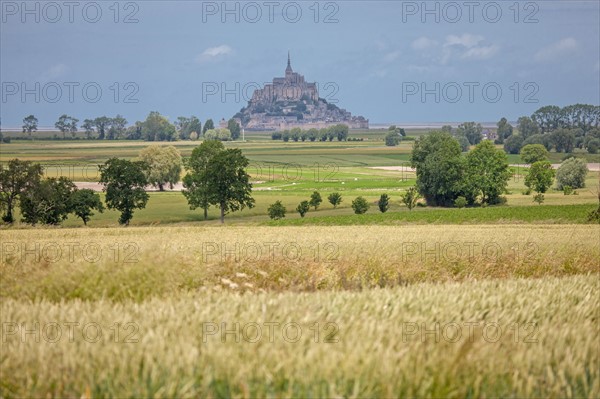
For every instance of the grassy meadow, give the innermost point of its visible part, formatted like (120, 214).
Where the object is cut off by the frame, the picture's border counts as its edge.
(500, 301)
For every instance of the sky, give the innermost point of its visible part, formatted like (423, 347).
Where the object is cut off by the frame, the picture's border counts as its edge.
(389, 61)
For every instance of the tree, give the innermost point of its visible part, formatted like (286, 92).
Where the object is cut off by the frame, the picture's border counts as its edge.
(472, 131)
(102, 123)
(571, 172)
(276, 210)
(47, 202)
(234, 128)
(548, 118)
(543, 139)
(335, 199)
(504, 130)
(527, 127)
(158, 128)
(67, 124)
(195, 183)
(185, 126)
(341, 132)
(83, 202)
(315, 199)
(208, 125)
(540, 176)
(513, 144)
(486, 173)
(116, 127)
(228, 183)
(313, 134)
(593, 145)
(439, 168)
(303, 208)
(383, 203)
(392, 139)
(88, 127)
(164, 165)
(411, 197)
(15, 178)
(124, 183)
(532, 153)
(360, 205)
(30, 125)
(563, 140)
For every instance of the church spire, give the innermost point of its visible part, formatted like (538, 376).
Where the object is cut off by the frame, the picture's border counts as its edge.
(289, 65)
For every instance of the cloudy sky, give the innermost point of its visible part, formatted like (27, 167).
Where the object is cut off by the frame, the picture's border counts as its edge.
(390, 61)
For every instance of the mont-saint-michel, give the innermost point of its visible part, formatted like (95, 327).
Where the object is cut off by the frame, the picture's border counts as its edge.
(291, 102)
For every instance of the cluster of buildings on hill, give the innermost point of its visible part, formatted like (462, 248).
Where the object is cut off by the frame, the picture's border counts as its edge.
(291, 102)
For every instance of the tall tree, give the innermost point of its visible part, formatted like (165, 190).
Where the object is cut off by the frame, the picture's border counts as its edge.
(234, 128)
(195, 182)
(504, 131)
(548, 118)
(15, 178)
(472, 131)
(102, 123)
(228, 183)
(158, 128)
(208, 125)
(30, 125)
(67, 124)
(117, 127)
(164, 165)
(88, 126)
(527, 127)
(486, 174)
(124, 183)
(47, 202)
(439, 166)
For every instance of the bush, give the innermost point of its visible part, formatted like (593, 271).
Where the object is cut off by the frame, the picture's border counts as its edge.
(571, 173)
(539, 198)
(303, 208)
(593, 146)
(276, 136)
(532, 153)
(276, 210)
(335, 199)
(460, 202)
(411, 197)
(392, 139)
(383, 203)
(360, 205)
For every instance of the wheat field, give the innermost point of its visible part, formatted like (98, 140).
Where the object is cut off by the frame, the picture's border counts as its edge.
(306, 311)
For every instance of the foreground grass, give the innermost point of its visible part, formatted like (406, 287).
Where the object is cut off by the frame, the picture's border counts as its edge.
(542, 341)
(139, 263)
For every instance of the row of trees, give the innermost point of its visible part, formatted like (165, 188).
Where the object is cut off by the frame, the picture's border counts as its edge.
(339, 132)
(562, 129)
(155, 127)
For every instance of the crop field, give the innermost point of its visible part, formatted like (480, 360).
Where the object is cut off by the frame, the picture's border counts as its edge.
(497, 301)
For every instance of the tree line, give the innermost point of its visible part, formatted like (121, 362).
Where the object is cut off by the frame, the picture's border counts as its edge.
(155, 127)
(339, 132)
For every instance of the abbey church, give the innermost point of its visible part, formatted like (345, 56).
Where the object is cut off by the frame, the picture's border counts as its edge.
(290, 102)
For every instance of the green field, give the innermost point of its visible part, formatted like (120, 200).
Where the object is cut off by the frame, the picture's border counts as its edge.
(330, 305)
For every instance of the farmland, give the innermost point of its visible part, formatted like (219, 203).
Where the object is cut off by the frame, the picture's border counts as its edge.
(476, 302)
